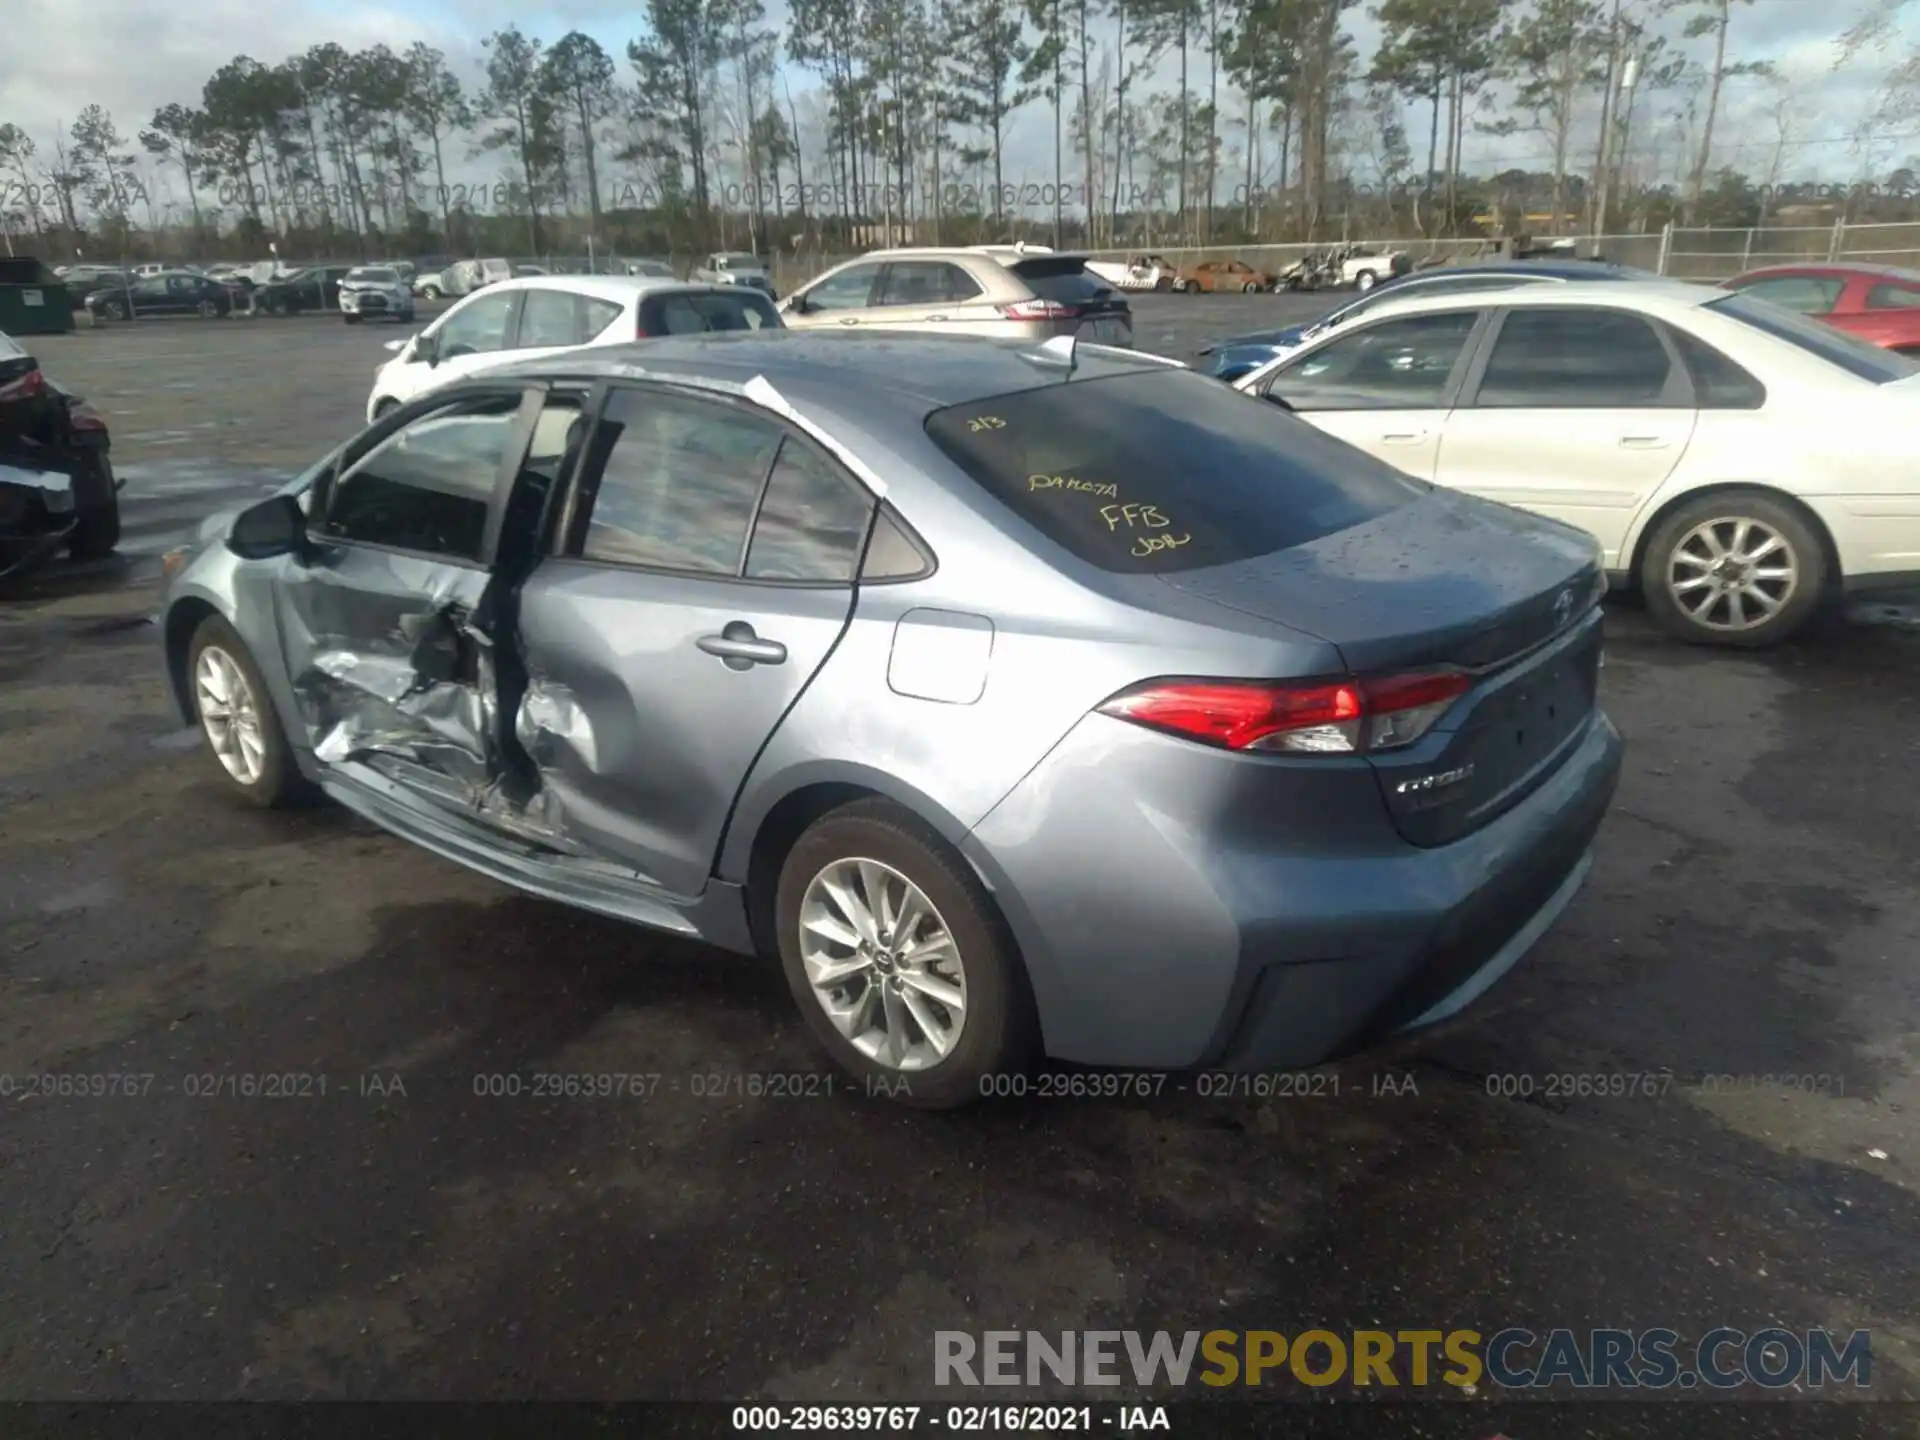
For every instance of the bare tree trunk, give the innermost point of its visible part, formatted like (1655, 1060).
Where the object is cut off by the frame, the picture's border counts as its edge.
(1699, 183)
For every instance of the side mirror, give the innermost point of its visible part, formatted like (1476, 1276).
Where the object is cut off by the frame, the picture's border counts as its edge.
(273, 527)
(427, 347)
(1274, 397)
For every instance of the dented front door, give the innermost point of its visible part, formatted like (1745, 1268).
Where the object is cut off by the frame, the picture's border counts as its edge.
(383, 622)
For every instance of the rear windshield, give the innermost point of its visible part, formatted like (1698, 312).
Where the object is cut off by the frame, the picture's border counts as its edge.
(691, 314)
(1065, 281)
(1164, 471)
(1816, 337)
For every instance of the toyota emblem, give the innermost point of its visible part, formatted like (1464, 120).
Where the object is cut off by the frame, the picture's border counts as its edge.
(1562, 608)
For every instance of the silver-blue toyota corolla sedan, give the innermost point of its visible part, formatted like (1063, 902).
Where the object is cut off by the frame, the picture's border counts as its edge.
(1022, 700)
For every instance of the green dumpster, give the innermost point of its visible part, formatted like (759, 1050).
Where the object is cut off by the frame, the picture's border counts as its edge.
(33, 300)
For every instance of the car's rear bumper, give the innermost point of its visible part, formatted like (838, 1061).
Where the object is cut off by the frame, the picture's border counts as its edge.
(1166, 925)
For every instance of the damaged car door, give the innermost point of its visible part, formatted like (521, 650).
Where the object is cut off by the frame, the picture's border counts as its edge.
(705, 571)
(382, 620)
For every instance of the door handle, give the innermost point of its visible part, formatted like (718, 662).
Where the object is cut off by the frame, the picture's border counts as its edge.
(1644, 442)
(741, 648)
(1404, 437)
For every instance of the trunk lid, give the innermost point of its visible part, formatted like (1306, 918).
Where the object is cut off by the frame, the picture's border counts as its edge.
(1450, 582)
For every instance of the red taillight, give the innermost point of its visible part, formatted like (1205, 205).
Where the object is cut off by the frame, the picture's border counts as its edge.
(30, 384)
(1039, 310)
(85, 417)
(1344, 718)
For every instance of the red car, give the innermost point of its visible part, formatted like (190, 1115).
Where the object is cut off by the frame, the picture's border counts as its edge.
(1875, 302)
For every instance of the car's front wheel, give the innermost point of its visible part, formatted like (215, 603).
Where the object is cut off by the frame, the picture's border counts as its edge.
(430, 292)
(1365, 281)
(1192, 287)
(898, 960)
(1737, 567)
(237, 718)
(1252, 287)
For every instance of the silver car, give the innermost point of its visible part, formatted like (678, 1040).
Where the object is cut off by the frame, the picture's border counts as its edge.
(1019, 699)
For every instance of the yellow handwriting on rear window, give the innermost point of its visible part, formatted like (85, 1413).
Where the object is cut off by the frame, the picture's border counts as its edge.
(1106, 489)
(1134, 517)
(1148, 544)
(985, 422)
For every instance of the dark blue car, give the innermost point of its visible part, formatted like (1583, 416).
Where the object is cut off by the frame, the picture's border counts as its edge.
(1231, 358)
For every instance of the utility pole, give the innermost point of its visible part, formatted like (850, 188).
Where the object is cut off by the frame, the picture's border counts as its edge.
(1621, 114)
(1595, 192)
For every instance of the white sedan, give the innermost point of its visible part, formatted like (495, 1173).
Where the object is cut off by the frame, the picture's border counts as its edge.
(536, 315)
(1740, 465)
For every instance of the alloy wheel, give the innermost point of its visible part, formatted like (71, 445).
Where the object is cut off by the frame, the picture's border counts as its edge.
(229, 715)
(1732, 573)
(882, 964)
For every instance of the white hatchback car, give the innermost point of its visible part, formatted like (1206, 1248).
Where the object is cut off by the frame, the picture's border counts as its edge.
(1739, 464)
(526, 318)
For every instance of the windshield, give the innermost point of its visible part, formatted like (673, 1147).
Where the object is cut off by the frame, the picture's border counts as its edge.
(1164, 471)
(1857, 357)
(737, 262)
(374, 276)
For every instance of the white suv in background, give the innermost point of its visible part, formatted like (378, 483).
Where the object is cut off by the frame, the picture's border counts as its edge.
(538, 315)
(1005, 292)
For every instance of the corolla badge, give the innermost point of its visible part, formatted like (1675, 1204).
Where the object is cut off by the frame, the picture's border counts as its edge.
(1437, 781)
(1562, 608)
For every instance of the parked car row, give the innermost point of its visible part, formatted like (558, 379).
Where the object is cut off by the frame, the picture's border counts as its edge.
(1354, 266)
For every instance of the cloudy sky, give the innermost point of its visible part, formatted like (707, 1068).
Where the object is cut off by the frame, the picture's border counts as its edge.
(134, 55)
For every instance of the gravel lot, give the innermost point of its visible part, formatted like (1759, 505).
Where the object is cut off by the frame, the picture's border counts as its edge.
(1754, 911)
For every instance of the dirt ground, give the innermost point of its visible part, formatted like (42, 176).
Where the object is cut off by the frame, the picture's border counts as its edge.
(384, 1226)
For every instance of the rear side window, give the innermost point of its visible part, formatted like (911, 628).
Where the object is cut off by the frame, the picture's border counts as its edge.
(925, 282)
(1802, 294)
(1065, 282)
(1856, 356)
(599, 315)
(550, 318)
(1718, 383)
(1575, 359)
(812, 522)
(696, 314)
(1893, 297)
(679, 483)
(1164, 471)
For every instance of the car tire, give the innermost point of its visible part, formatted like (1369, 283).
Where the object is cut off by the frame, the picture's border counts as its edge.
(1190, 287)
(96, 528)
(265, 774)
(430, 292)
(114, 310)
(1365, 281)
(1709, 546)
(827, 875)
(1252, 287)
(350, 319)
(1163, 283)
(208, 310)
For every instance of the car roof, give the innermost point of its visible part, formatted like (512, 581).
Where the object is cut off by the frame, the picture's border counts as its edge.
(1831, 267)
(620, 288)
(1669, 296)
(935, 371)
(1003, 253)
(1552, 269)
